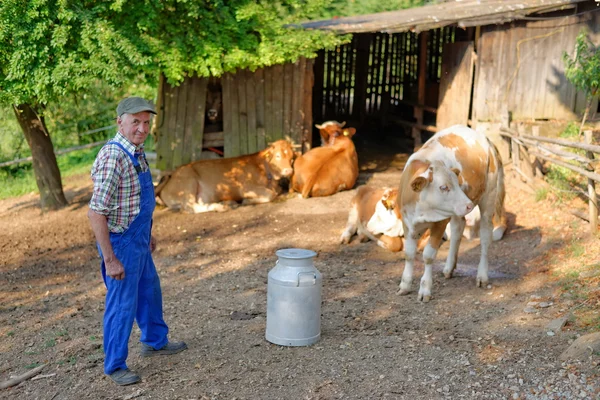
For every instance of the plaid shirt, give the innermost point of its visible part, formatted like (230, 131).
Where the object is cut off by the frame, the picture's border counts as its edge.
(116, 184)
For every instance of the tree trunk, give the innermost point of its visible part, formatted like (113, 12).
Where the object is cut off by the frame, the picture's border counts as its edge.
(45, 167)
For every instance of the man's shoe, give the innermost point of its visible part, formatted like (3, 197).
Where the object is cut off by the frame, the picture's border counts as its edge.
(167, 349)
(124, 377)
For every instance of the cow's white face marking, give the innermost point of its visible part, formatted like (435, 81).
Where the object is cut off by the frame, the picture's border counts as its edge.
(441, 196)
(385, 221)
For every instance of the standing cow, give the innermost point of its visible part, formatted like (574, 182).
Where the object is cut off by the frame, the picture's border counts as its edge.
(456, 170)
(211, 185)
(326, 170)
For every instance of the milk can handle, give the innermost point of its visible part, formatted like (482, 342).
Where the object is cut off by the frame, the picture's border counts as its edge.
(306, 272)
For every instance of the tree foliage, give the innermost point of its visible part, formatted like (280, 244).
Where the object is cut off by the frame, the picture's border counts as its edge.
(583, 70)
(53, 48)
(346, 8)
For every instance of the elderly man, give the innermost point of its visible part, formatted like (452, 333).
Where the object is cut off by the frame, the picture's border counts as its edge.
(121, 217)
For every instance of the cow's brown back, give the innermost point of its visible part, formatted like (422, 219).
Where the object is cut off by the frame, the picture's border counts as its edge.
(324, 171)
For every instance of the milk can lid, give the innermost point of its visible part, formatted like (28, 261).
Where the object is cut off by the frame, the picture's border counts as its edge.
(295, 254)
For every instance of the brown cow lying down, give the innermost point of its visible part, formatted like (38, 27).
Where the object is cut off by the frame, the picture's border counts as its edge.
(375, 211)
(323, 171)
(212, 185)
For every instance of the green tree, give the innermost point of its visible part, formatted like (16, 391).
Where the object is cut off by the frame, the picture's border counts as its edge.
(53, 49)
(347, 8)
(583, 71)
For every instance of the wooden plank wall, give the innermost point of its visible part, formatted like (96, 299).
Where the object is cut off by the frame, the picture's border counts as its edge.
(456, 84)
(520, 69)
(258, 108)
(266, 105)
(180, 122)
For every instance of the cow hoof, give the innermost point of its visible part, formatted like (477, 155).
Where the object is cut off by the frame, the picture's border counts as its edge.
(447, 274)
(403, 292)
(344, 239)
(482, 283)
(424, 297)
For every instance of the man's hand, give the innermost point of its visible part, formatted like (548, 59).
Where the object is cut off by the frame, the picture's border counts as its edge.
(152, 244)
(114, 269)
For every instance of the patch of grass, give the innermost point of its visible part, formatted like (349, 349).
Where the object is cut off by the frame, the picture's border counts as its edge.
(62, 333)
(10, 333)
(562, 181)
(541, 194)
(571, 131)
(32, 353)
(50, 343)
(32, 365)
(19, 180)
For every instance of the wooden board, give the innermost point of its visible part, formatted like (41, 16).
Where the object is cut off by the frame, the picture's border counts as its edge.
(455, 84)
(520, 69)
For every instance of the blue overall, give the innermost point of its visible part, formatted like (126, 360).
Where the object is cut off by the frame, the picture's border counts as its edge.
(138, 295)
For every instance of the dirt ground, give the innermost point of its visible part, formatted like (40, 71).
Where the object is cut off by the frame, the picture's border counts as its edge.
(467, 343)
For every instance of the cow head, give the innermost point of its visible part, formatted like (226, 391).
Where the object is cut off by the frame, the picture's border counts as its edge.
(214, 104)
(439, 191)
(387, 219)
(329, 131)
(279, 156)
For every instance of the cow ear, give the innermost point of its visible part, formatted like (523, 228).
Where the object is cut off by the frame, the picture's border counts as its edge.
(419, 183)
(349, 132)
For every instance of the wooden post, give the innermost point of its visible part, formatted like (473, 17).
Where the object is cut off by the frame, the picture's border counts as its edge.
(593, 203)
(535, 131)
(418, 110)
(525, 166)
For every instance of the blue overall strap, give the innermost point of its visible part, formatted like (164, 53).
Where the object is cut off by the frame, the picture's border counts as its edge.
(134, 160)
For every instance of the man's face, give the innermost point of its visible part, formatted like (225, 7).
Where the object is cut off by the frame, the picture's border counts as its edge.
(135, 127)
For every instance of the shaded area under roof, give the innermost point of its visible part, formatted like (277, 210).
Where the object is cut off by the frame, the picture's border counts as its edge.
(462, 13)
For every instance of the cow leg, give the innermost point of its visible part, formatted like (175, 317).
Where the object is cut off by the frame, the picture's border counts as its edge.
(429, 254)
(457, 226)
(485, 238)
(351, 225)
(410, 251)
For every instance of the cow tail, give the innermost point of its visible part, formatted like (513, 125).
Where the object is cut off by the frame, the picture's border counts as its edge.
(164, 179)
(499, 214)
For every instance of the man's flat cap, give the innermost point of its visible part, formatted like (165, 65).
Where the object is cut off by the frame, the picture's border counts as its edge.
(134, 105)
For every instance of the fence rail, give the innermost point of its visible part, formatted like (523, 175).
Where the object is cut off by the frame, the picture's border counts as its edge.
(527, 150)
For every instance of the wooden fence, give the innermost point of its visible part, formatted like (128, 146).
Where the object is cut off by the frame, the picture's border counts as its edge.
(527, 151)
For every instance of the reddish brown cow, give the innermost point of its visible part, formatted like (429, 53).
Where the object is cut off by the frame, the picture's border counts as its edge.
(211, 185)
(329, 130)
(326, 170)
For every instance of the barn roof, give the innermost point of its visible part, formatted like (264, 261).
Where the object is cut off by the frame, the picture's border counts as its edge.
(463, 13)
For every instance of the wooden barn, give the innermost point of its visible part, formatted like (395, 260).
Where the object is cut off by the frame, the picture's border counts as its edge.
(405, 73)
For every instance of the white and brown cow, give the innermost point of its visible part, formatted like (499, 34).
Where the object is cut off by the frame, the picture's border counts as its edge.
(326, 170)
(375, 215)
(212, 185)
(456, 170)
(374, 211)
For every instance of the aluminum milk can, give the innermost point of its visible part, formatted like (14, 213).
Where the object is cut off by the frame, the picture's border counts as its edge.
(294, 299)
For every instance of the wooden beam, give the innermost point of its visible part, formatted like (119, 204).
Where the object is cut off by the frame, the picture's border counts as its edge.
(593, 203)
(418, 112)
